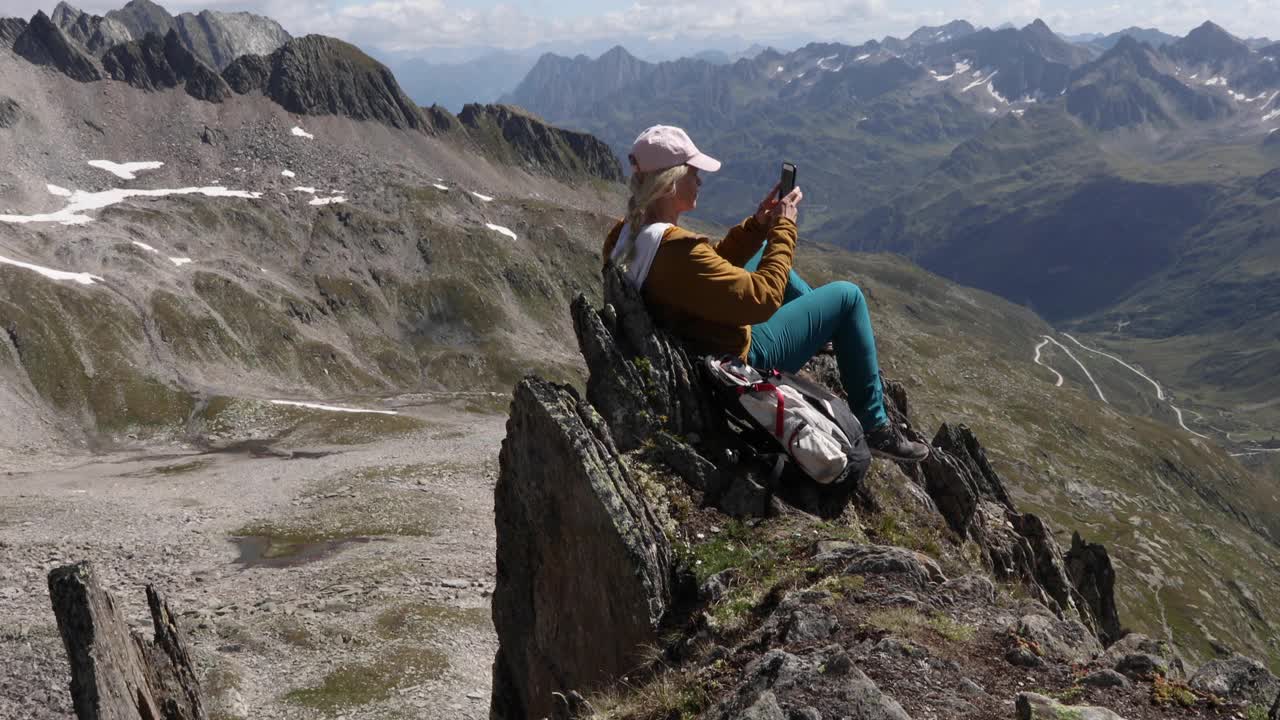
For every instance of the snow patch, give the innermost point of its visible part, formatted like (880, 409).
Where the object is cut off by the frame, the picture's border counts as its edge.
(146, 247)
(980, 81)
(1271, 115)
(500, 229)
(1216, 80)
(288, 173)
(125, 171)
(485, 198)
(59, 191)
(305, 189)
(81, 202)
(299, 132)
(331, 408)
(328, 200)
(82, 278)
(438, 186)
(991, 88)
(862, 57)
(180, 261)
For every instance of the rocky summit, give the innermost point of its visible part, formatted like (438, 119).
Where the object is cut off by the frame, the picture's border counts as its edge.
(156, 63)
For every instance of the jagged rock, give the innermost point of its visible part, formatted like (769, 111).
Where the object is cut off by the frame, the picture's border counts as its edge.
(1061, 640)
(10, 29)
(1031, 706)
(852, 559)
(317, 75)
(527, 140)
(1016, 546)
(1105, 679)
(96, 33)
(142, 17)
(584, 569)
(1090, 570)
(1237, 679)
(43, 43)
(154, 63)
(218, 38)
(10, 112)
(640, 379)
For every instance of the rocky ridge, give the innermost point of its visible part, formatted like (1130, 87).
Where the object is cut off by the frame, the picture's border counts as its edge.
(156, 63)
(42, 43)
(840, 621)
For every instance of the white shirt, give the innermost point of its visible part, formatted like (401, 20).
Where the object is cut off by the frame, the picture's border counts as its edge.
(647, 243)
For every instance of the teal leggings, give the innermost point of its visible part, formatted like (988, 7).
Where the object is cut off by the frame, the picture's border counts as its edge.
(808, 318)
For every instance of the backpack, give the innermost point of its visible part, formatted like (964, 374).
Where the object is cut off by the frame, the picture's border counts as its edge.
(810, 424)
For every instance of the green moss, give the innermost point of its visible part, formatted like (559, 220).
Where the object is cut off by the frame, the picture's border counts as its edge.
(424, 621)
(373, 680)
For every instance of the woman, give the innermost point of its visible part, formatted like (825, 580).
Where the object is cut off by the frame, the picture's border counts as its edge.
(741, 297)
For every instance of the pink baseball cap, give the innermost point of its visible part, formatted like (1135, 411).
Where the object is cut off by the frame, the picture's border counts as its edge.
(664, 146)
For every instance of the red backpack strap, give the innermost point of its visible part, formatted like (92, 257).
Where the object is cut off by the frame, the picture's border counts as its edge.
(779, 428)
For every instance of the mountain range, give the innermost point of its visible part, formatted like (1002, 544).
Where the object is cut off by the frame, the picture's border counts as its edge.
(185, 246)
(1078, 179)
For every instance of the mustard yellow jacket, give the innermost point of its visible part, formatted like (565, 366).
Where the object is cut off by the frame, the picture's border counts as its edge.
(700, 292)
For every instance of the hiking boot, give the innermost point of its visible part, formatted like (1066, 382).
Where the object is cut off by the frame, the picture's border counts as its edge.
(887, 443)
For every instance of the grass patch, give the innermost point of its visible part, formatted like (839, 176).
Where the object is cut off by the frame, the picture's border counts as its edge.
(372, 680)
(424, 620)
(914, 625)
(669, 696)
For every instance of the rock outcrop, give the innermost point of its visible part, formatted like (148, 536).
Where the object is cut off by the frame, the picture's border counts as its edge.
(1016, 546)
(1090, 570)
(519, 138)
(317, 75)
(584, 567)
(219, 38)
(10, 112)
(96, 33)
(43, 43)
(154, 63)
(10, 29)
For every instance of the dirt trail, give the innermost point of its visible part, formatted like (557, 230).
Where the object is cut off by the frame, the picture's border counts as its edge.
(362, 589)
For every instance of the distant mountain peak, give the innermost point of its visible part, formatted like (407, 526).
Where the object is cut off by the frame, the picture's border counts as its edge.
(1210, 43)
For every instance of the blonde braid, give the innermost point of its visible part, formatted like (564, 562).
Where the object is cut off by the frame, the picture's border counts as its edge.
(646, 189)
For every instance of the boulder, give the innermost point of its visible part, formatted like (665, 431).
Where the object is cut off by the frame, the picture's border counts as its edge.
(1237, 679)
(43, 43)
(1105, 679)
(1160, 655)
(828, 673)
(1061, 640)
(584, 568)
(1031, 706)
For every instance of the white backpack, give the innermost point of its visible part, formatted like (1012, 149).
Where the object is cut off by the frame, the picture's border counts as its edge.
(810, 424)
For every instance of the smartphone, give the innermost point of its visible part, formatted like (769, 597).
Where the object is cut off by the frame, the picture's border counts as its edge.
(788, 179)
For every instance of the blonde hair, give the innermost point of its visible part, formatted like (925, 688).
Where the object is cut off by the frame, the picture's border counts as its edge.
(646, 189)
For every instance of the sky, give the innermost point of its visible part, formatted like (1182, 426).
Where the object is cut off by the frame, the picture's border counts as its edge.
(408, 27)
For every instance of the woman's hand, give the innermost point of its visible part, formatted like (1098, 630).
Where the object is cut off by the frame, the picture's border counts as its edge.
(764, 213)
(786, 207)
